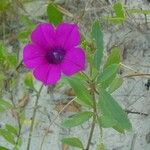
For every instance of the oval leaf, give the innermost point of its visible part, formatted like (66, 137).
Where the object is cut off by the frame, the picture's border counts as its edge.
(108, 73)
(4, 105)
(109, 107)
(28, 80)
(11, 129)
(7, 136)
(116, 83)
(54, 15)
(97, 35)
(114, 57)
(77, 119)
(81, 92)
(3, 148)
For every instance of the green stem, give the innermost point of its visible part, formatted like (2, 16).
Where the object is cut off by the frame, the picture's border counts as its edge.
(33, 117)
(94, 117)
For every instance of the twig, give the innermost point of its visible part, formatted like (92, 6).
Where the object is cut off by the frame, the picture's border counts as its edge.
(136, 74)
(135, 112)
(33, 117)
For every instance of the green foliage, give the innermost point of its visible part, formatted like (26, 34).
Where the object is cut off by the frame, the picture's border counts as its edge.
(8, 136)
(106, 121)
(4, 5)
(97, 35)
(110, 70)
(72, 141)
(4, 105)
(119, 10)
(7, 60)
(119, 14)
(115, 84)
(81, 91)
(11, 129)
(54, 15)
(3, 148)
(77, 119)
(115, 116)
(28, 81)
(29, 25)
(114, 57)
(108, 73)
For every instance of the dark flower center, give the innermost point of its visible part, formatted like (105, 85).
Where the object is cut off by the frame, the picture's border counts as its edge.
(55, 55)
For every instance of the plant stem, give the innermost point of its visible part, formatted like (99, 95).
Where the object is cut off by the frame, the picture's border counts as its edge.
(33, 117)
(94, 116)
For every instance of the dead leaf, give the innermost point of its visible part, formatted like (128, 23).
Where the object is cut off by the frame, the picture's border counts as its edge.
(73, 107)
(14, 113)
(65, 147)
(23, 101)
(69, 92)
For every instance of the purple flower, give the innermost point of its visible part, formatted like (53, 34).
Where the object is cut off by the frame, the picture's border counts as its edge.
(54, 51)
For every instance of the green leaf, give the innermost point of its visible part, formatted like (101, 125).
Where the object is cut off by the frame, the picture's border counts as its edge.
(110, 108)
(2, 52)
(119, 10)
(106, 121)
(11, 129)
(3, 148)
(114, 20)
(4, 5)
(115, 84)
(109, 72)
(28, 80)
(7, 136)
(77, 119)
(12, 59)
(114, 57)
(97, 35)
(81, 92)
(119, 129)
(4, 105)
(54, 15)
(75, 142)
(119, 14)
(27, 21)
(20, 142)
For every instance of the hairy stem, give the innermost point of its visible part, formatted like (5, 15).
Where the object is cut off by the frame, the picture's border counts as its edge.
(33, 117)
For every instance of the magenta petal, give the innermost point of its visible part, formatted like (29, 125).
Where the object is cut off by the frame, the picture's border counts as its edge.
(33, 56)
(43, 35)
(68, 35)
(48, 74)
(74, 61)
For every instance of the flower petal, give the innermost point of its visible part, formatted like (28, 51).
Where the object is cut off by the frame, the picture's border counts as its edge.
(43, 35)
(48, 74)
(67, 35)
(74, 61)
(33, 56)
